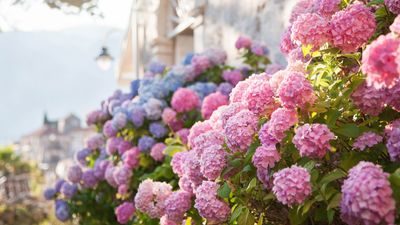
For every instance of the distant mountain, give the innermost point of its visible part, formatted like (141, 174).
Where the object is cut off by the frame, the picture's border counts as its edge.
(53, 72)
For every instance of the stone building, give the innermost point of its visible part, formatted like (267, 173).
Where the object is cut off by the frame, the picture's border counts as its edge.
(55, 141)
(165, 30)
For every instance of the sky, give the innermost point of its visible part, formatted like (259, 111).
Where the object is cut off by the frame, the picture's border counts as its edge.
(47, 63)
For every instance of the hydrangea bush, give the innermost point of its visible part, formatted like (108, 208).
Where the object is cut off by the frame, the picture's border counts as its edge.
(316, 142)
(137, 134)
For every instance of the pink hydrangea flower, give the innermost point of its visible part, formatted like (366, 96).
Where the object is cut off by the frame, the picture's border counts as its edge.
(169, 117)
(151, 196)
(276, 80)
(209, 206)
(216, 120)
(264, 177)
(393, 6)
(183, 135)
(367, 139)
(394, 97)
(380, 61)
(395, 27)
(292, 185)
(157, 151)
(95, 142)
(177, 161)
(211, 102)
(265, 157)
(287, 45)
(367, 196)
(311, 29)
(232, 76)
(122, 175)
(213, 161)
(238, 91)
(185, 100)
(207, 139)
(124, 212)
(392, 132)
(123, 189)
(131, 158)
(326, 8)
(177, 204)
(231, 110)
(200, 64)
(259, 98)
(243, 42)
(281, 121)
(369, 100)
(302, 7)
(352, 27)
(312, 140)
(296, 91)
(197, 129)
(240, 129)
(165, 221)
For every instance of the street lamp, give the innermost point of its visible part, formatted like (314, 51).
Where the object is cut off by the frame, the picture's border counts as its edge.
(104, 60)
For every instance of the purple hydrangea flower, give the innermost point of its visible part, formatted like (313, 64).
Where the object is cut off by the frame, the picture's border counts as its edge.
(59, 184)
(145, 143)
(49, 193)
(89, 179)
(158, 130)
(124, 212)
(100, 168)
(136, 115)
(69, 190)
(74, 174)
(225, 88)
(62, 210)
(81, 156)
(119, 120)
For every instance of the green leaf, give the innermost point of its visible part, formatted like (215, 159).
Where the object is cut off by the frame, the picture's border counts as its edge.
(236, 213)
(335, 201)
(295, 217)
(307, 205)
(224, 191)
(246, 218)
(252, 185)
(172, 149)
(349, 130)
(261, 219)
(333, 175)
(331, 215)
(310, 165)
(235, 163)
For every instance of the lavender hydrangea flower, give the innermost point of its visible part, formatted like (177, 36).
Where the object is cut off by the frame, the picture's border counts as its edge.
(135, 87)
(259, 49)
(124, 212)
(145, 143)
(100, 168)
(59, 184)
(81, 156)
(367, 139)
(122, 174)
(153, 108)
(158, 130)
(74, 174)
(188, 58)
(119, 120)
(136, 115)
(109, 130)
(156, 67)
(203, 89)
(89, 179)
(225, 88)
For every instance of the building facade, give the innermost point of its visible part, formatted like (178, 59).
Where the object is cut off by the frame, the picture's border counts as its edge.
(165, 30)
(54, 142)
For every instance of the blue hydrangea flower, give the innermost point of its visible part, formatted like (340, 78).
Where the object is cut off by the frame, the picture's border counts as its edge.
(172, 81)
(152, 88)
(145, 143)
(136, 115)
(156, 67)
(153, 108)
(188, 59)
(62, 210)
(225, 88)
(59, 184)
(203, 89)
(158, 130)
(69, 190)
(49, 193)
(135, 87)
